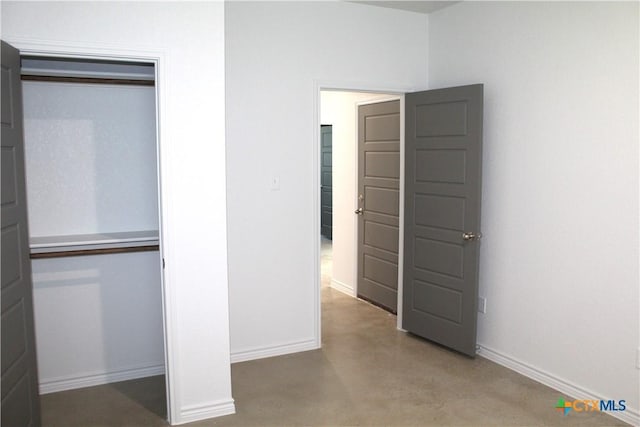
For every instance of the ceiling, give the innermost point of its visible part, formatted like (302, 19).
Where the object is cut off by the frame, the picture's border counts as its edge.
(413, 6)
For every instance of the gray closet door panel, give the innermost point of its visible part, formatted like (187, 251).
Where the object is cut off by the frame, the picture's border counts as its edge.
(20, 398)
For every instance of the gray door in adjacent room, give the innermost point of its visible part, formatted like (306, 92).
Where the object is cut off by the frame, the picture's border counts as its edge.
(378, 203)
(443, 145)
(326, 191)
(20, 398)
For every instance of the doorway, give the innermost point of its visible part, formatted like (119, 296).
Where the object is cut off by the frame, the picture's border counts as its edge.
(339, 256)
(443, 170)
(93, 189)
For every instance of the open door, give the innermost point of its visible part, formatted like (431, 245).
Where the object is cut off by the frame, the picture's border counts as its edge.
(20, 398)
(378, 203)
(443, 146)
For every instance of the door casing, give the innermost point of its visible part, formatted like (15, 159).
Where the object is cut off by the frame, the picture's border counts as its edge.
(400, 94)
(157, 58)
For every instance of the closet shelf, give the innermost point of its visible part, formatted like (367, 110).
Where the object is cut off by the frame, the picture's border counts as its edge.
(93, 244)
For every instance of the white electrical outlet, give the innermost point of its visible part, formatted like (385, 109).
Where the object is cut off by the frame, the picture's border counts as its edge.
(482, 305)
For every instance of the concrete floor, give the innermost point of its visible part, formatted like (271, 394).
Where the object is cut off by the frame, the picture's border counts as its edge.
(367, 373)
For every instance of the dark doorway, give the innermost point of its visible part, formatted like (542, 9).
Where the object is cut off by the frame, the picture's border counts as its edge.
(326, 192)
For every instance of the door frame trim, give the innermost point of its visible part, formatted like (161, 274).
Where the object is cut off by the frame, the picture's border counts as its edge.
(346, 86)
(159, 59)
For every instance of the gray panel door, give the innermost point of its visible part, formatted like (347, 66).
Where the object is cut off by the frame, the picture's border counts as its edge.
(442, 215)
(378, 203)
(326, 191)
(20, 400)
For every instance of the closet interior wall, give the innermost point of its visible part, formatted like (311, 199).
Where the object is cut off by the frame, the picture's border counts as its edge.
(92, 185)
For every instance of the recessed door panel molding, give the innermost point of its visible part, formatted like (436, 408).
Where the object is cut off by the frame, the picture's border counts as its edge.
(6, 112)
(14, 323)
(440, 211)
(381, 236)
(382, 200)
(441, 166)
(440, 257)
(326, 181)
(441, 119)
(437, 301)
(11, 253)
(382, 164)
(8, 173)
(443, 179)
(378, 202)
(381, 271)
(384, 127)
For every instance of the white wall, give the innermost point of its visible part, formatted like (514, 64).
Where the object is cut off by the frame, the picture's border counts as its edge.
(559, 260)
(188, 37)
(339, 109)
(278, 54)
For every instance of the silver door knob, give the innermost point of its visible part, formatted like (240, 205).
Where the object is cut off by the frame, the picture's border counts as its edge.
(471, 236)
(359, 211)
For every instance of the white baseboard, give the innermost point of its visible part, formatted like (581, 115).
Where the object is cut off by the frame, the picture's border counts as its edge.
(277, 350)
(193, 413)
(90, 380)
(630, 415)
(345, 289)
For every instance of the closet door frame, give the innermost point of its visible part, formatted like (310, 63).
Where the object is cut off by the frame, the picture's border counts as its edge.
(158, 59)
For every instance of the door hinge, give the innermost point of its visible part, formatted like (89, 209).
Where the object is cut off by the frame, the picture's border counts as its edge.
(163, 263)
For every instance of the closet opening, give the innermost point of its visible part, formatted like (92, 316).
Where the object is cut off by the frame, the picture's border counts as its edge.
(93, 186)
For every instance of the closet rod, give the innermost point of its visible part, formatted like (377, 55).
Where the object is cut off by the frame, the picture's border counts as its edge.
(93, 80)
(103, 251)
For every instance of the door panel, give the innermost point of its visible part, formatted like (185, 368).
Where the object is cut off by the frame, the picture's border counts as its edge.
(440, 211)
(378, 190)
(326, 189)
(442, 203)
(441, 119)
(444, 166)
(382, 165)
(381, 271)
(20, 399)
(383, 127)
(381, 236)
(382, 200)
